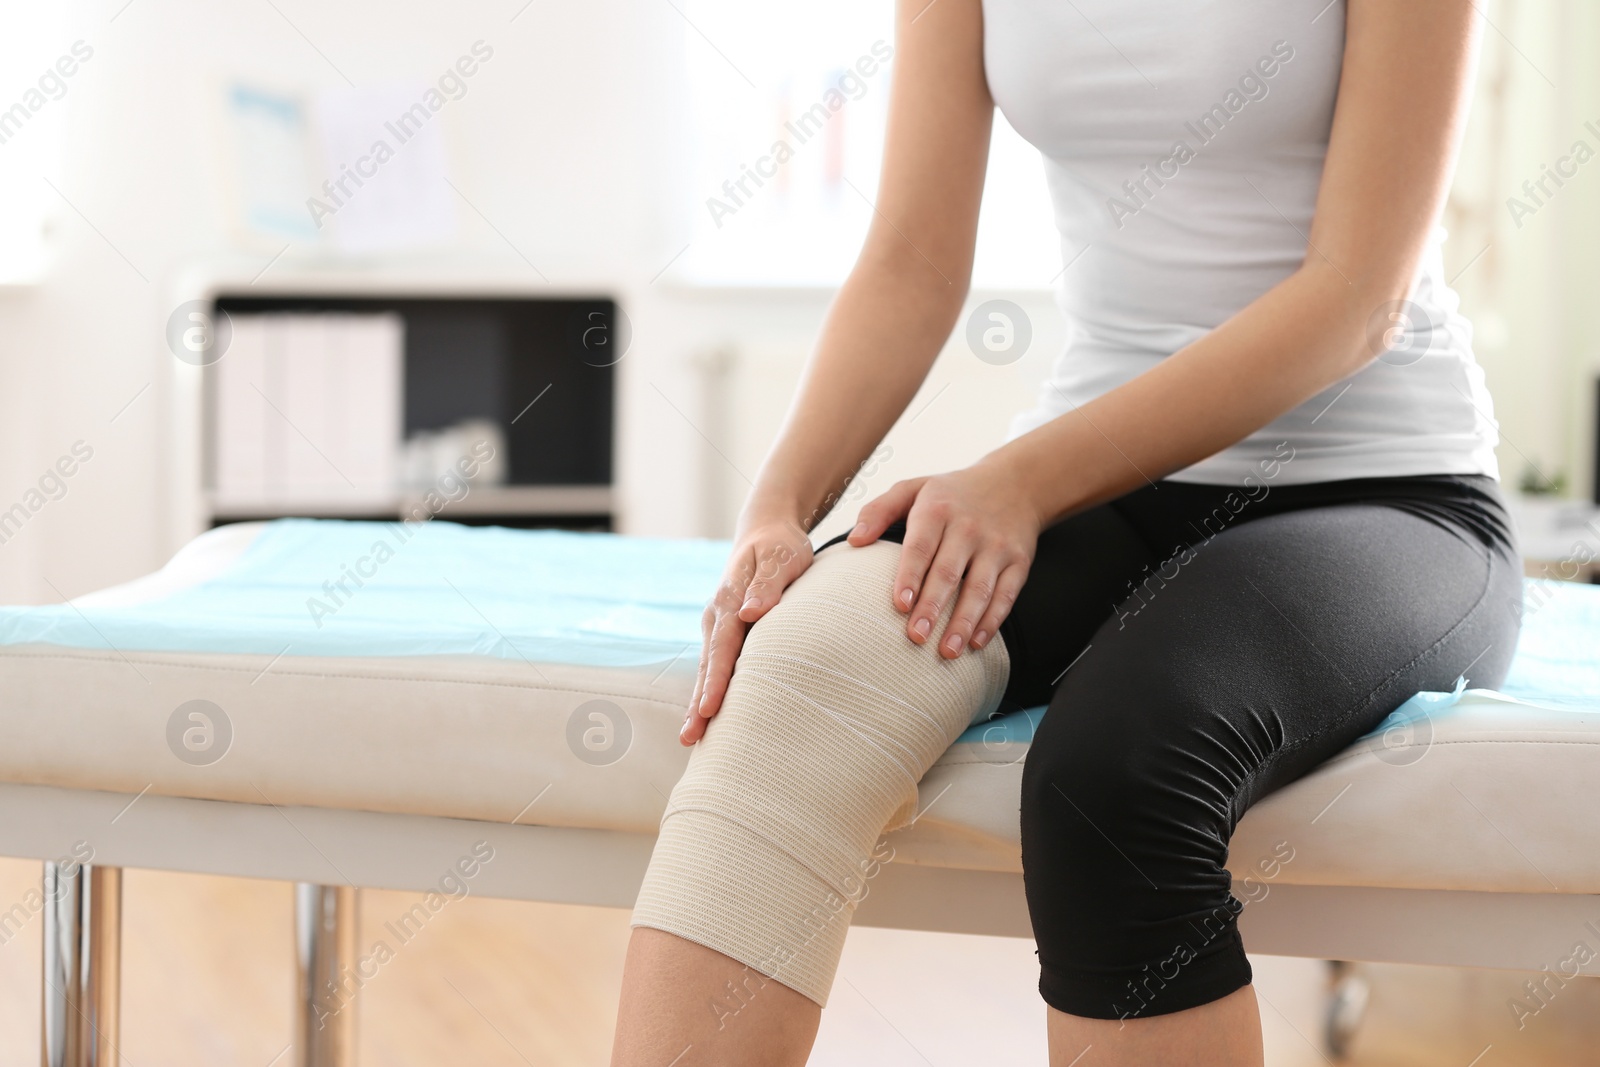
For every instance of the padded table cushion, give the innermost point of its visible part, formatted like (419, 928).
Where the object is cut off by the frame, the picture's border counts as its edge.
(570, 721)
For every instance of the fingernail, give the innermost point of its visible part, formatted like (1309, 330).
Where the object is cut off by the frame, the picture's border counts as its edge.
(953, 642)
(980, 638)
(905, 598)
(860, 528)
(753, 604)
(922, 626)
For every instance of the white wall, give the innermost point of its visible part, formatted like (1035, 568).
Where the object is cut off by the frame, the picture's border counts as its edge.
(1530, 292)
(572, 142)
(560, 142)
(960, 413)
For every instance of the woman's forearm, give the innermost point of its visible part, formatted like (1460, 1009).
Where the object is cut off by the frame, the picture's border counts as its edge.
(1302, 336)
(881, 336)
(894, 313)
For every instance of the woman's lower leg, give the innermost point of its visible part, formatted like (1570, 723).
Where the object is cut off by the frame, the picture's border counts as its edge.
(684, 1005)
(1223, 1033)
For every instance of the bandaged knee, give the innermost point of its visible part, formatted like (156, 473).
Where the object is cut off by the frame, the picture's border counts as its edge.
(770, 840)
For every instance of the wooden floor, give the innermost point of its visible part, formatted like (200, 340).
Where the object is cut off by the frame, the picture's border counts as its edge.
(208, 982)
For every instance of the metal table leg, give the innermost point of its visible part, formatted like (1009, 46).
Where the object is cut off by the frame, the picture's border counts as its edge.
(1348, 994)
(326, 922)
(82, 965)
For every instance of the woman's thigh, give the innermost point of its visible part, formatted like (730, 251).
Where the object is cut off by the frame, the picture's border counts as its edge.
(1295, 630)
(1250, 659)
(1083, 567)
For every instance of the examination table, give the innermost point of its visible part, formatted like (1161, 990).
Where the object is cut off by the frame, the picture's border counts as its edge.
(480, 710)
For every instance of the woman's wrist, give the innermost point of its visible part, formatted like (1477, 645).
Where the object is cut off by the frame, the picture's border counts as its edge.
(783, 506)
(769, 510)
(1040, 475)
(1011, 465)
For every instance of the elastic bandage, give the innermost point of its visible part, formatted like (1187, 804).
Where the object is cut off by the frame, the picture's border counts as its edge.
(769, 840)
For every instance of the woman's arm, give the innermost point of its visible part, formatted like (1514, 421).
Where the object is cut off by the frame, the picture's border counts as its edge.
(896, 310)
(1383, 187)
(885, 328)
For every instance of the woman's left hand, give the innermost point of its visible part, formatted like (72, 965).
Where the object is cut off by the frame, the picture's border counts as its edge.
(970, 536)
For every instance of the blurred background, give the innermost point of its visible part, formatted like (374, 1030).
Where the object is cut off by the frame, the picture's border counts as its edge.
(564, 227)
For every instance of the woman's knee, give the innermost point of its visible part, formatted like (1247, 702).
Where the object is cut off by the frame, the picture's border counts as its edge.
(1102, 807)
(1121, 742)
(835, 644)
(1124, 833)
(831, 718)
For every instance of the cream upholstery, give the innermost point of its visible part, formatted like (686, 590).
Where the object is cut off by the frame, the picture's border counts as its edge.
(1500, 800)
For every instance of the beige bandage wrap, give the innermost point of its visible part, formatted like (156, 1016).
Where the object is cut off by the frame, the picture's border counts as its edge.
(769, 840)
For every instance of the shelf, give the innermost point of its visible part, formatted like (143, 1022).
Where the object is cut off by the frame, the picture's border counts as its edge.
(511, 501)
(1556, 529)
(529, 500)
(478, 343)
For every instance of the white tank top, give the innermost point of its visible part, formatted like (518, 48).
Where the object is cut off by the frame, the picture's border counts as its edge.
(1183, 142)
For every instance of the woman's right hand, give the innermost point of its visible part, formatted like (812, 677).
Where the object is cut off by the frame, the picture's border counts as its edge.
(766, 558)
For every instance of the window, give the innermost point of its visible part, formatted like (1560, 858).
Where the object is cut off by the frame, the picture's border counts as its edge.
(788, 107)
(40, 63)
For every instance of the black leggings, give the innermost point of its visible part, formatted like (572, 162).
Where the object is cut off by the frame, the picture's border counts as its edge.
(1199, 647)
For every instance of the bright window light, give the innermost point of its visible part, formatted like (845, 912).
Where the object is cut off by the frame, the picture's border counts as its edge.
(788, 109)
(36, 51)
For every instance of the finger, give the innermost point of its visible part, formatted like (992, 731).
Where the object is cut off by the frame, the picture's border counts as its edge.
(694, 725)
(924, 530)
(977, 589)
(879, 513)
(707, 622)
(691, 721)
(699, 685)
(725, 645)
(772, 578)
(694, 728)
(1006, 589)
(939, 586)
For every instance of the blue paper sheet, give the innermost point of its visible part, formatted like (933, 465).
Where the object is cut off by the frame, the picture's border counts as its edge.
(436, 588)
(329, 588)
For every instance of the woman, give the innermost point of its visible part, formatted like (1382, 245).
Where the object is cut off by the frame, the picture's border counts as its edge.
(1254, 510)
